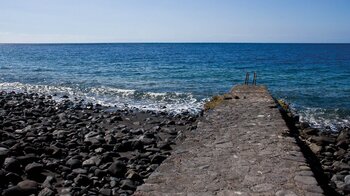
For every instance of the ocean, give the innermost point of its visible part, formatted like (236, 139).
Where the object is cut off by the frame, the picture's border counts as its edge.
(176, 77)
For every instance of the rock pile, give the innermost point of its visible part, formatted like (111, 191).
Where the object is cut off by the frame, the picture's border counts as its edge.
(333, 152)
(67, 148)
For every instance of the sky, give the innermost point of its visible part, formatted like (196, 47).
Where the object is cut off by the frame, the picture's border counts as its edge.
(91, 21)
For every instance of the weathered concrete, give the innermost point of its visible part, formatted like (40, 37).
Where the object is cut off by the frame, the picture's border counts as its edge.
(240, 148)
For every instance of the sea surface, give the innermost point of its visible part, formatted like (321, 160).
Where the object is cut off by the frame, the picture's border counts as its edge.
(313, 78)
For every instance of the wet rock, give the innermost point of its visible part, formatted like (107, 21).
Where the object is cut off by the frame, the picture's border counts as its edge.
(343, 140)
(310, 131)
(338, 166)
(315, 148)
(322, 140)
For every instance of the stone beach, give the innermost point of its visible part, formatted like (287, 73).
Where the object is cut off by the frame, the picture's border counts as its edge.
(70, 148)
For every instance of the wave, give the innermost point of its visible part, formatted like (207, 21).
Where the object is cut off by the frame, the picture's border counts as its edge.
(172, 102)
(322, 118)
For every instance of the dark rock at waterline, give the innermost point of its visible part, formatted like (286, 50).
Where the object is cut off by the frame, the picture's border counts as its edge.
(310, 131)
(343, 139)
(333, 153)
(322, 140)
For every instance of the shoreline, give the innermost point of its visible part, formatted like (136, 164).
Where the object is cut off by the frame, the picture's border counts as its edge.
(51, 147)
(68, 147)
(327, 152)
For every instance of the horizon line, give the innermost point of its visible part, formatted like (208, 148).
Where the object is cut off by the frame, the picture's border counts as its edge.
(171, 42)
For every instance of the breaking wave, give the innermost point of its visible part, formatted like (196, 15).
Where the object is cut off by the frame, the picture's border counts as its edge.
(173, 102)
(322, 118)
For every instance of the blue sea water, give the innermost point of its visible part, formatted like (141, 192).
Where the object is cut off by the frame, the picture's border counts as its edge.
(314, 78)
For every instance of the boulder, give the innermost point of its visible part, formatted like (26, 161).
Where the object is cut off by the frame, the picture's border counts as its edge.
(117, 169)
(33, 168)
(28, 187)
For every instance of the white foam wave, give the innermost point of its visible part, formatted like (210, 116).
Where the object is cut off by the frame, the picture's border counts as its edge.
(330, 119)
(173, 102)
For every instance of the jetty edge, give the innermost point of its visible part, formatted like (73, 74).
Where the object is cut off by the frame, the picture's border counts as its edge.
(243, 146)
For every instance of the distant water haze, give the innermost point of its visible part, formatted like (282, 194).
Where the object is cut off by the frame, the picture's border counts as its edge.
(314, 78)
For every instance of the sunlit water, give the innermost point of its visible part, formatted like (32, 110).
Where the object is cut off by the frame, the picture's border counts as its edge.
(314, 78)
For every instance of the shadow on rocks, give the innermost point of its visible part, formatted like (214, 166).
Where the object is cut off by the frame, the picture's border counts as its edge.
(311, 158)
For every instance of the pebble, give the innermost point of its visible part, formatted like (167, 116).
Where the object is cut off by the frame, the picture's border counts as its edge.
(28, 186)
(117, 169)
(33, 168)
(75, 145)
(73, 163)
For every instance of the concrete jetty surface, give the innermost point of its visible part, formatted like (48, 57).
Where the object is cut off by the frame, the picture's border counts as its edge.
(239, 148)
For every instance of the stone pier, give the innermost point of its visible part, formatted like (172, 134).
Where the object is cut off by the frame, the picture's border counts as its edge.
(241, 147)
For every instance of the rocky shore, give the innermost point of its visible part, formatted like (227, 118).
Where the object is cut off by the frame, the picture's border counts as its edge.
(327, 151)
(332, 150)
(70, 148)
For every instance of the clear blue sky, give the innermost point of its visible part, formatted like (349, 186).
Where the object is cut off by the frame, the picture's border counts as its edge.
(175, 21)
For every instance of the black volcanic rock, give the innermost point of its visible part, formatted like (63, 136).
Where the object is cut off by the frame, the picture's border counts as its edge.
(117, 169)
(71, 147)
